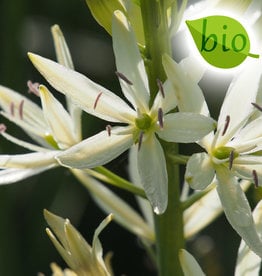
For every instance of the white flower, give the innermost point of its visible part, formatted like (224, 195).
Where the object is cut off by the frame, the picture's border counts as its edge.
(233, 151)
(52, 127)
(143, 122)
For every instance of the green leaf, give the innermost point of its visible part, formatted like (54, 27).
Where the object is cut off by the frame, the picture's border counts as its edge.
(221, 40)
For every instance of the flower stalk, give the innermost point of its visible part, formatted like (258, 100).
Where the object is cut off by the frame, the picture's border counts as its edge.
(169, 225)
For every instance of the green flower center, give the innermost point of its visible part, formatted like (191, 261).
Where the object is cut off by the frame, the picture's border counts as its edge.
(144, 122)
(224, 153)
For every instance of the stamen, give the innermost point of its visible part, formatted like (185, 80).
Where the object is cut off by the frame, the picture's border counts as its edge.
(231, 159)
(140, 139)
(160, 87)
(255, 178)
(12, 109)
(160, 117)
(108, 129)
(257, 106)
(226, 125)
(2, 128)
(20, 109)
(124, 78)
(33, 87)
(97, 99)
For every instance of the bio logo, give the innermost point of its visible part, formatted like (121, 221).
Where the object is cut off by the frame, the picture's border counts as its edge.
(221, 40)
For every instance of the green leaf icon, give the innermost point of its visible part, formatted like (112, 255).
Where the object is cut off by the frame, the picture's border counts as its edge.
(221, 40)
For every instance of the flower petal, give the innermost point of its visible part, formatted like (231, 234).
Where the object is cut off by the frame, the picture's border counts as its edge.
(28, 160)
(111, 203)
(96, 150)
(199, 171)
(58, 119)
(64, 57)
(62, 52)
(143, 203)
(189, 265)
(237, 103)
(182, 127)
(189, 95)
(10, 176)
(152, 170)
(248, 263)
(166, 101)
(205, 210)
(237, 209)
(247, 166)
(129, 62)
(22, 111)
(91, 97)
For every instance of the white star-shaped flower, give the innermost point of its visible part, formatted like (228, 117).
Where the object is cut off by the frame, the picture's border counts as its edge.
(233, 152)
(144, 124)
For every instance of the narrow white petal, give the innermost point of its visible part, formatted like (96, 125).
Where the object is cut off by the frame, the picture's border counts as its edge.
(189, 95)
(24, 144)
(202, 213)
(129, 62)
(9, 176)
(167, 101)
(182, 127)
(111, 203)
(153, 174)
(58, 119)
(194, 69)
(28, 160)
(199, 171)
(237, 103)
(144, 204)
(189, 265)
(64, 57)
(205, 211)
(62, 52)
(96, 150)
(91, 97)
(237, 209)
(25, 112)
(251, 131)
(246, 166)
(248, 263)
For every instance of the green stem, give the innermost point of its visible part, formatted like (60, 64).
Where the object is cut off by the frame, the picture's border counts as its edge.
(109, 177)
(168, 226)
(156, 41)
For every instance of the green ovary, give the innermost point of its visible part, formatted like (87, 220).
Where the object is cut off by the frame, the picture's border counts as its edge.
(224, 153)
(144, 122)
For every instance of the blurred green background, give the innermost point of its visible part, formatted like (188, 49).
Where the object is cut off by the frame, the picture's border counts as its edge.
(24, 247)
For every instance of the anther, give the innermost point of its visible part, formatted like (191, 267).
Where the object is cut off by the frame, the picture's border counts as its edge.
(12, 109)
(123, 77)
(160, 117)
(231, 159)
(2, 128)
(97, 99)
(33, 87)
(20, 109)
(140, 139)
(255, 178)
(258, 107)
(160, 87)
(108, 129)
(226, 125)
